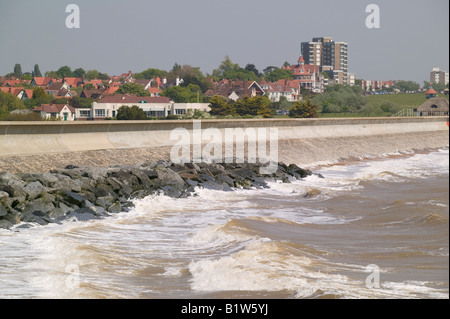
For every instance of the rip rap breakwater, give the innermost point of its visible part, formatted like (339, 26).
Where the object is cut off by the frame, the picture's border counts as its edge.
(85, 192)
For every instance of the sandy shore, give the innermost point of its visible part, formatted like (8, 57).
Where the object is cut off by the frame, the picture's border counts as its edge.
(304, 152)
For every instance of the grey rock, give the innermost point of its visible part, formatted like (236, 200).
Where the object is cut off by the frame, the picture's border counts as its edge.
(34, 189)
(72, 198)
(5, 224)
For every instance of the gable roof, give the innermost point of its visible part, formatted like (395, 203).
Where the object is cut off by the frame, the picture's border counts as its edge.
(132, 98)
(53, 108)
(42, 81)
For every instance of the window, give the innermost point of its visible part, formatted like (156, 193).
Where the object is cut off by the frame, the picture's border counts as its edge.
(100, 113)
(85, 113)
(434, 106)
(180, 111)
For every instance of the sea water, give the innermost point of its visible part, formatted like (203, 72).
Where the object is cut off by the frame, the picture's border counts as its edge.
(373, 228)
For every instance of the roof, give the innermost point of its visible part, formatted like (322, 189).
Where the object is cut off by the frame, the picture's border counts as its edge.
(434, 104)
(430, 91)
(53, 108)
(132, 98)
(300, 60)
(42, 81)
(73, 81)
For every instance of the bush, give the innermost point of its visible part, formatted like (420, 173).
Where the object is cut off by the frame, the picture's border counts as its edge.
(304, 109)
(131, 113)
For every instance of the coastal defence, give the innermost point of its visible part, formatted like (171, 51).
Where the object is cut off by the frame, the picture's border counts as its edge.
(302, 141)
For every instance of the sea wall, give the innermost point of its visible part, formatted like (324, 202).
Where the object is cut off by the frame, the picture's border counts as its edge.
(25, 138)
(42, 146)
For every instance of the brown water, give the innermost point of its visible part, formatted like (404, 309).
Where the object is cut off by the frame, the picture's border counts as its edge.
(369, 229)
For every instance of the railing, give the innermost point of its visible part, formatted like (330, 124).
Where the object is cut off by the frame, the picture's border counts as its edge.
(406, 113)
(416, 113)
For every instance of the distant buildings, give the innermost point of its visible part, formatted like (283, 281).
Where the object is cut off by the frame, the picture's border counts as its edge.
(438, 76)
(330, 56)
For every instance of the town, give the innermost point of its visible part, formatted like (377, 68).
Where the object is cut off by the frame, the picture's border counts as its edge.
(317, 84)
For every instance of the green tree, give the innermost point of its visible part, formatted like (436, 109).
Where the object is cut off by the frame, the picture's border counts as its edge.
(131, 113)
(91, 74)
(150, 73)
(252, 68)
(406, 86)
(220, 107)
(36, 71)
(64, 71)
(17, 70)
(304, 109)
(232, 71)
(78, 73)
(39, 97)
(179, 94)
(254, 106)
(132, 88)
(9, 102)
(278, 74)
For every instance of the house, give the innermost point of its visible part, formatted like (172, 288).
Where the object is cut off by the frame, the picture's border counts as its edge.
(42, 81)
(73, 82)
(308, 75)
(153, 106)
(154, 91)
(290, 89)
(109, 105)
(234, 90)
(434, 107)
(55, 87)
(62, 112)
(92, 94)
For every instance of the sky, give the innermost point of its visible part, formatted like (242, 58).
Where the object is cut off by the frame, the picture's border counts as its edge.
(116, 36)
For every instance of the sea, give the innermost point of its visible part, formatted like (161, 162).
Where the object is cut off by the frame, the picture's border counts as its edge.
(370, 228)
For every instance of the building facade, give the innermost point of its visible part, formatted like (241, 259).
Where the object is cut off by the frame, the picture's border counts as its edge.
(438, 76)
(329, 55)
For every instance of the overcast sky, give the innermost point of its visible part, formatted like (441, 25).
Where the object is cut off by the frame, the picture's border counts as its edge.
(116, 36)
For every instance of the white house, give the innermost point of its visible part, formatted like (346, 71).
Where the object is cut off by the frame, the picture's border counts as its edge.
(153, 106)
(62, 112)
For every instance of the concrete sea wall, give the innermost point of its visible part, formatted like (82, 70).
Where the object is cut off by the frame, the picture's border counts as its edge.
(27, 146)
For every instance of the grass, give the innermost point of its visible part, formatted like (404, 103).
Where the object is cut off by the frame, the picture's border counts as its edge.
(403, 99)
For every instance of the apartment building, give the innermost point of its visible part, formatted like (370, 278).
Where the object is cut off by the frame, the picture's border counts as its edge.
(438, 76)
(330, 55)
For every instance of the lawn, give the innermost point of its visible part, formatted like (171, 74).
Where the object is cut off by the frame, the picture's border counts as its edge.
(403, 99)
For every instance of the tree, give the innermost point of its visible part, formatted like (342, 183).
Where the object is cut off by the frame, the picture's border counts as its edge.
(36, 71)
(179, 94)
(220, 107)
(78, 73)
(278, 74)
(132, 88)
(131, 113)
(91, 74)
(304, 109)
(254, 106)
(252, 68)
(17, 70)
(9, 102)
(407, 86)
(150, 73)
(232, 71)
(39, 97)
(64, 71)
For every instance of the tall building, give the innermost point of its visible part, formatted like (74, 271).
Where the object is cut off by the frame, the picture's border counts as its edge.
(438, 76)
(331, 56)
